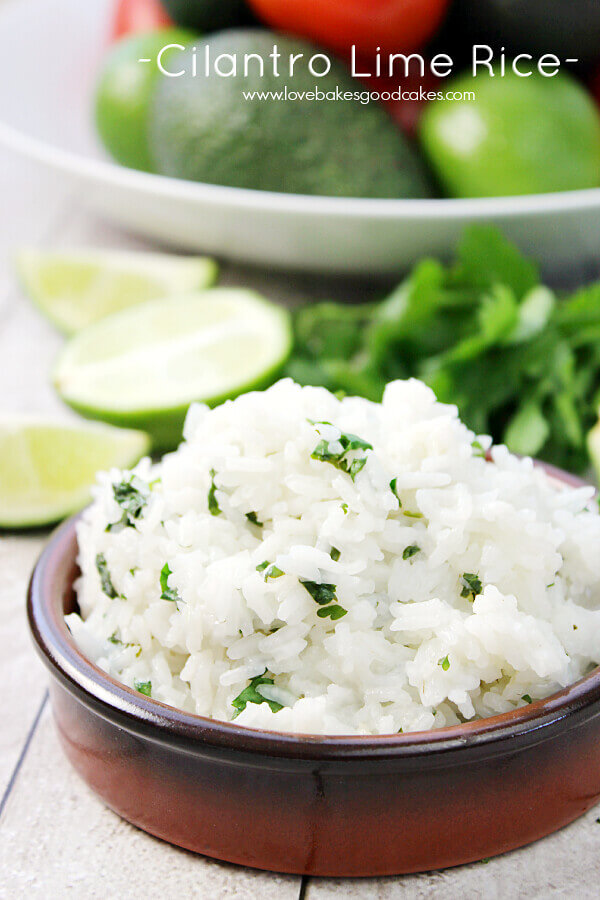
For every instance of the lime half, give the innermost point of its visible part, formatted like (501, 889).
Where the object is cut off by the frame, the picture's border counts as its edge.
(76, 289)
(144, 366)
(47, 467)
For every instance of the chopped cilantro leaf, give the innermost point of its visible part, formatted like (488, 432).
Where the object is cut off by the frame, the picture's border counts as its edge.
(144, 687)
(394, 490)
(114, 639)
(333, 612)
(444, 663)
(213, 505)
(345, 508)
(105, 580)
(132, 496)
(325, 452)
(356, 466)
(250, 694)
(272, 571)
(471, 585)
(413, 515)
(527, 698)
(412, 550)
(478, 449)
(334, 554)
(321, 593)
(168, 593)
(253, 518)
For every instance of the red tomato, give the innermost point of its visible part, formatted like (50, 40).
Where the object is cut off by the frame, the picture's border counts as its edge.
(132, 16)
(394, 25)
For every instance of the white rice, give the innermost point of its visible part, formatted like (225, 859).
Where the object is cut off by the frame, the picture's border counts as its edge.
(416, 648)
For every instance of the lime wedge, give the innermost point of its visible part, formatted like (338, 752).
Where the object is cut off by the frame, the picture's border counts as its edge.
(47, 467)
(144, 366)
(76, 289)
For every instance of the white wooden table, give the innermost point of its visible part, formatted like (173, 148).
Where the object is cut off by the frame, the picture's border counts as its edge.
(56, 837)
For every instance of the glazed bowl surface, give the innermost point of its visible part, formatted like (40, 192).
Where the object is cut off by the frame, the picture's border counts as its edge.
(314, 804)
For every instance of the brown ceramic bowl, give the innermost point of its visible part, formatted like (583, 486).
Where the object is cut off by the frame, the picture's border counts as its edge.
(309, 804)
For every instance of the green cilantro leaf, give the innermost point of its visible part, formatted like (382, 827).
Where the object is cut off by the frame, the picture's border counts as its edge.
(394, 490)
(251, 694)
(253, 518)
(168, 593)
(335, 554)
(213, 504)
(132, 496)
(333, 612)
(444, 663)
(325, 452)
(270, 570)
(105, 580)
(143, 687)
(321, 593)
(410, 551)
(471, 585)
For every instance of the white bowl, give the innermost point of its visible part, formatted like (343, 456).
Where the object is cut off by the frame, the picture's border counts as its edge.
(51, 52)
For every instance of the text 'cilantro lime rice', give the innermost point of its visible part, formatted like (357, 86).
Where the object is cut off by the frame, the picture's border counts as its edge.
(308, 564)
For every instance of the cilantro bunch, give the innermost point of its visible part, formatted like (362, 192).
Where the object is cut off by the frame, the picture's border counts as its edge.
(520, 363)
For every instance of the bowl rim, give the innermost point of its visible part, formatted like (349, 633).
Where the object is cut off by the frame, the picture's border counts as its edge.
(105, 171)
(50, 582)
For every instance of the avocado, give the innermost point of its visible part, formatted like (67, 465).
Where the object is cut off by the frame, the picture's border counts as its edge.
(203, 129)
(208, 15)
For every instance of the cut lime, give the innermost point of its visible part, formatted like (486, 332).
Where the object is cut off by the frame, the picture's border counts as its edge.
(47, 467)
(143, 367)
(76, 289)
(126, 89)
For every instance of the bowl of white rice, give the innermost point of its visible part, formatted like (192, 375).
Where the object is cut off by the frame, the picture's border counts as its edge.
(359, 624)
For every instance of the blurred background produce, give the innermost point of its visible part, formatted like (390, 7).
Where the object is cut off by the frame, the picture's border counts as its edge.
(202, 128)
(125, 92)
(569, 28)
(517, 136)
(208, 15)
(395, 26)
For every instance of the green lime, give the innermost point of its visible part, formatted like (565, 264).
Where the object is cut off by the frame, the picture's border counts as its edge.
(514, 136)
(142, 367)
(47, 467)
(125, 89)
(76, 289)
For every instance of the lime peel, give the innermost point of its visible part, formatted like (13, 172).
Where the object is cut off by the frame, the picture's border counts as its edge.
(143, 367)
(76, 289)
(47, 466)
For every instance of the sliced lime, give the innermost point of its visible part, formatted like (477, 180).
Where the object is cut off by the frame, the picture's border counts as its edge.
(75, 290)
(143, 367)
(47, 467)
